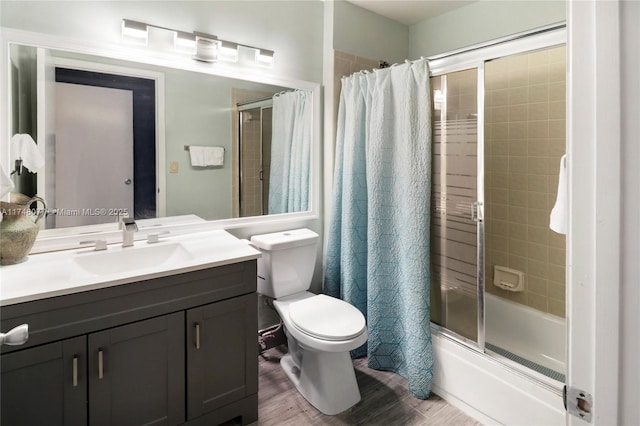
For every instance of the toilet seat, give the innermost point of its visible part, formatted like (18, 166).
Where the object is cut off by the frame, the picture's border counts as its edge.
(326, 318)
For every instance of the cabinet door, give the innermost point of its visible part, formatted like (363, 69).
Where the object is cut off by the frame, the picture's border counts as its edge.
(222, 354)
(45, 385)
(136, 373)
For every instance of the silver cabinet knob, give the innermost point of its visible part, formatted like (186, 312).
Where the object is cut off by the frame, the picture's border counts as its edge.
(127, 181)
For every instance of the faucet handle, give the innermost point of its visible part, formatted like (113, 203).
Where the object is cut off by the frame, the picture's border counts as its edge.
(121, 216)
(155, 237)
(99, 244)
(129, 224)
(128, 229)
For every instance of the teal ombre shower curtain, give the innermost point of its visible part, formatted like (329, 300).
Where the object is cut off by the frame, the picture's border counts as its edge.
(378, 245)
(290, 152)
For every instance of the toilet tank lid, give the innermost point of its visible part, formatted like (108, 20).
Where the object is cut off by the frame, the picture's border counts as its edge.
(285, 239)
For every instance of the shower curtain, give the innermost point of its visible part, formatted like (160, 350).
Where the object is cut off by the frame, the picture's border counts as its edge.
(290, 152)
(378, 244)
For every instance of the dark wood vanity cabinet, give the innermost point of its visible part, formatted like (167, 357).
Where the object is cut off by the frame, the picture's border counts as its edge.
(38, 386)
(173, 350)
(221, 357)
(136, 373)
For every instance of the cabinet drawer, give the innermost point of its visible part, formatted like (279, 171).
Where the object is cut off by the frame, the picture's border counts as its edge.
(60, 317)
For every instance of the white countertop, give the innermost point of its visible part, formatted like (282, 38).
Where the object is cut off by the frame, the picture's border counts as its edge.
(57, 273)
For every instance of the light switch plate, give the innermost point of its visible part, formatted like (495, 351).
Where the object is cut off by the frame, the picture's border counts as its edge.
(173, 167)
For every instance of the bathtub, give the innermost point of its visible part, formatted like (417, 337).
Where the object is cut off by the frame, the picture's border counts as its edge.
(470, 380)
(526, 332)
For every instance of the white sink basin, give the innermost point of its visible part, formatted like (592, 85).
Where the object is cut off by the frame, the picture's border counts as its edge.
(132, 259)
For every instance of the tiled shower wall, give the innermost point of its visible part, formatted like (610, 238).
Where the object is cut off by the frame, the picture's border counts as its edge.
(524, 141)
(251, 154)
(252, 144)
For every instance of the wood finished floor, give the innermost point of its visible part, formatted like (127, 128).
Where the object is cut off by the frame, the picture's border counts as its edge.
(385, 401)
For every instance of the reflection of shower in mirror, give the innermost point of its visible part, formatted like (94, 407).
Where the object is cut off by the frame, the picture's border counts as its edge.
(254, 145)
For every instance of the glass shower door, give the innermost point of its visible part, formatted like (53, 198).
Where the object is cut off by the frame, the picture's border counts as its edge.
(499, 133)
(456, 261)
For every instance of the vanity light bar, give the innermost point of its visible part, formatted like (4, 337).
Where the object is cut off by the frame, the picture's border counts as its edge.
(264, 57)
(135, 32)
(228, 51)
(204, 47)
(184, 42)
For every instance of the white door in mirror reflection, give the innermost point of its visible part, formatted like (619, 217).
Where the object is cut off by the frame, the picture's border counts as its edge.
(94, 154)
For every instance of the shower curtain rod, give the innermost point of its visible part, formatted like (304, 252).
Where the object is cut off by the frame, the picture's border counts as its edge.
(540, 30)
(255, 101)
(478, 46)
(268, 98)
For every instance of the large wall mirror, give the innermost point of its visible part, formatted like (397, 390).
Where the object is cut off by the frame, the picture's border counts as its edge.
(160, 143)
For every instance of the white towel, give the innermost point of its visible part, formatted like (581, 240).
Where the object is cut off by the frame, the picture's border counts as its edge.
(6, 184)
(24, 148)
(558, 217)
(204, 156)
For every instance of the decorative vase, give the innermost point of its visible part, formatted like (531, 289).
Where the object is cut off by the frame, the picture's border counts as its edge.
(18, 227)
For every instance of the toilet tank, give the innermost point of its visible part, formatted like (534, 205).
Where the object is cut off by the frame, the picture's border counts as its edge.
(287, 262)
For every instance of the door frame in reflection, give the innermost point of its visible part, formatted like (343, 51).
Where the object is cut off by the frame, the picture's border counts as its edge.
(143, 92)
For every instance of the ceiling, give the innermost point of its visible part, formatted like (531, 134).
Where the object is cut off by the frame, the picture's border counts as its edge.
(410, 12)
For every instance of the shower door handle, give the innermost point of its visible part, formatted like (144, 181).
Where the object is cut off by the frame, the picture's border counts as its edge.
(477, 214)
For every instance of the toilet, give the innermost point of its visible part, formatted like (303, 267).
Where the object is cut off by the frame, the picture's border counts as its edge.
(320, 330)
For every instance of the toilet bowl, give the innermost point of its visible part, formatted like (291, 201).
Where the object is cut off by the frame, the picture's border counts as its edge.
(318, 362)
(320, 330)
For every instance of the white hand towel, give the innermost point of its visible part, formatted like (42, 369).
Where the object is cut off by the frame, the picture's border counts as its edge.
(196, 153)
(6, 184)
(203, 156)
(558, 217)
(24, 148)
(214, 156)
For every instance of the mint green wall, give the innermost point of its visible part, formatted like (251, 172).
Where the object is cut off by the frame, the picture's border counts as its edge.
(364, 33)
(293, 29)
(203, 120)
(198, 112)
(481, 21)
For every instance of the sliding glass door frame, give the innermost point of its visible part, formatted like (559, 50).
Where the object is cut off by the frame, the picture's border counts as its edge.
(476, 212)
(479, 213)
(475, 57)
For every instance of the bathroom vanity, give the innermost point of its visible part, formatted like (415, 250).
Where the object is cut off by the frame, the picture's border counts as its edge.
(168, 344)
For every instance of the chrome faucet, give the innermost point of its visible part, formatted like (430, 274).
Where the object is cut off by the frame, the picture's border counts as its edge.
(128, 228)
